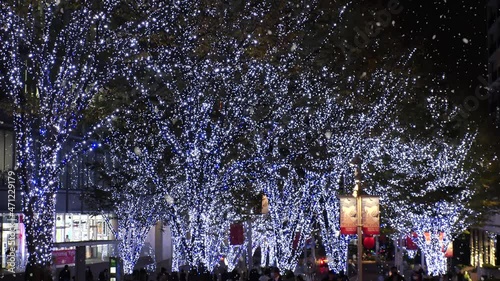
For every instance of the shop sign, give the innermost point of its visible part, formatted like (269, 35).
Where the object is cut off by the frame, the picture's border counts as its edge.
(63, 257)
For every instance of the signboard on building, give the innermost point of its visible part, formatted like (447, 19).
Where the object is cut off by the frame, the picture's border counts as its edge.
(449, 250)
(62, 257)
(348, 212)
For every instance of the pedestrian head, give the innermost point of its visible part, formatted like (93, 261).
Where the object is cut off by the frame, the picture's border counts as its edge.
(275, 273)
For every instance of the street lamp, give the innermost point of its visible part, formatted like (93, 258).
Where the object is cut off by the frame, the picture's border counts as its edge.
(356, 163)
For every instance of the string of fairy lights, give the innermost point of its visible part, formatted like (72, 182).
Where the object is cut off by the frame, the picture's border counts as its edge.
(247, 98)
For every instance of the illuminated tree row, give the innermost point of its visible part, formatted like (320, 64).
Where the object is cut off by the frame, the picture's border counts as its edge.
(255, 94)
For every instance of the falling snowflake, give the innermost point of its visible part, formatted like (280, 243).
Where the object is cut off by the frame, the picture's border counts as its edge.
(465, 40)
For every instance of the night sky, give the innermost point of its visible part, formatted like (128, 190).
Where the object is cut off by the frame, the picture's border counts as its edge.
(454, 35)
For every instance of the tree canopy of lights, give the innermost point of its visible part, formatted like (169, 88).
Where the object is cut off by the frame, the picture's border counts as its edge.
(131, 180)
(274, 95)
(55, 57)
(258, 60)
(432, 187)
(305, 104)
(200, 135)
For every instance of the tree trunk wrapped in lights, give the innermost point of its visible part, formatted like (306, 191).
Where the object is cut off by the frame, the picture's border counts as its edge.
(291, 220)
(328, 216)
(200, 134)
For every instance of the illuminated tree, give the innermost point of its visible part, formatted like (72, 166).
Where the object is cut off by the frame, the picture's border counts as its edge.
(432, 185)
(201, 134)
(290, 218)
(132, 179)
(55, 56)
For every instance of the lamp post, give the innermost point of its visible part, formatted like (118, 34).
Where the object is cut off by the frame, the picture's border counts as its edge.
(356, 163)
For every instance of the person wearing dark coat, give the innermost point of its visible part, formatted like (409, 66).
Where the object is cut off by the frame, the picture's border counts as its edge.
(163, 275)
(88, 274)
(65, 274)
(235, 275)
(254, 275)
(342, 276)
(394, 275)
(103, 276)
(183, 275)
(266, 275)
(224, 275)
(175, 276)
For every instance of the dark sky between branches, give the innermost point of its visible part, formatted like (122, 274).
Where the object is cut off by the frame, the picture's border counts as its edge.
(453, 33)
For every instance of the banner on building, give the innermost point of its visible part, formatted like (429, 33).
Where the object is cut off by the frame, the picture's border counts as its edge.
(410, 245)
(371, 215)
(348, 216)
(441, 238)
(62, 257)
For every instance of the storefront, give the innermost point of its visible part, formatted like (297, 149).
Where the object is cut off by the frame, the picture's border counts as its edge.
(69, 228)
(13, 250)
(85, 227)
